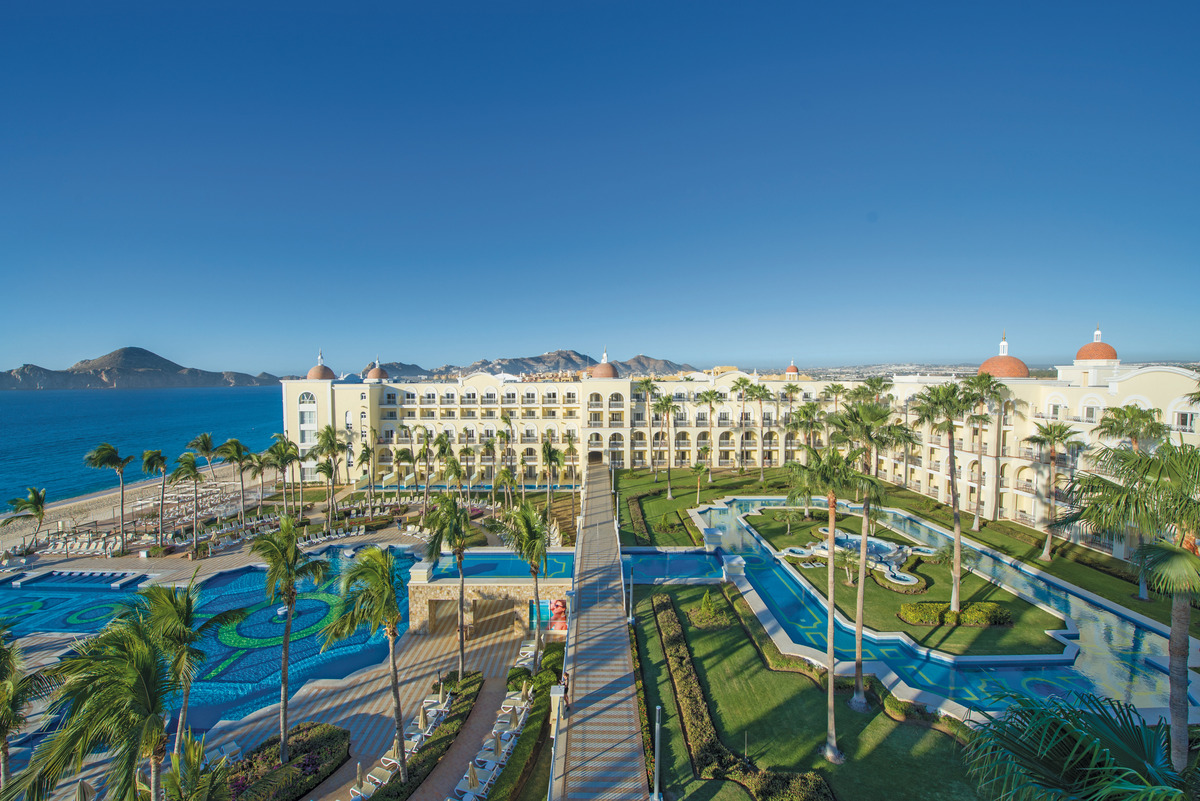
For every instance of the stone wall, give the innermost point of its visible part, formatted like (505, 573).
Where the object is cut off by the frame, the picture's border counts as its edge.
(422, 595)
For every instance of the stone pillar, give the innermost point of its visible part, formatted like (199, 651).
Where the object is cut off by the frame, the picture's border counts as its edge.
(418, 610)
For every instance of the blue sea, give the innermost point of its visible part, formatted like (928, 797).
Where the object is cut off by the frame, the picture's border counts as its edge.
(44, 434)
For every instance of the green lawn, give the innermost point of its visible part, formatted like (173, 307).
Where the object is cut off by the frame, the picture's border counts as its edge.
(782, 718)
(538, 783)
(1065, 564)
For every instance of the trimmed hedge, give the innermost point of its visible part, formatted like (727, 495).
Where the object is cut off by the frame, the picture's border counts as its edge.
(980, 614)
(517, 676)
(422, 763)
(553, 656)
(710, 757)
(316, 749)
(910, 565)
(643, 712)
(641, 535)
(532, 739)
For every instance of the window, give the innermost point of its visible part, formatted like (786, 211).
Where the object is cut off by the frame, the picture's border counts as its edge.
(1185, 421)
(308, 418)
(307, 437)
(1091, 414)
(307, 397)
(362, 396)
(1054, 410)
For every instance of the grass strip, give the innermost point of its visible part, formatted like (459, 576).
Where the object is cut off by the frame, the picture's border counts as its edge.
(522, 760)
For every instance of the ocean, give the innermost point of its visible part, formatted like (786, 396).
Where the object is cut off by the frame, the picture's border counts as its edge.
(44, 434)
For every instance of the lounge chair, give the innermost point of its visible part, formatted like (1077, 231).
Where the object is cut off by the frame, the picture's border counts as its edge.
(380, 776)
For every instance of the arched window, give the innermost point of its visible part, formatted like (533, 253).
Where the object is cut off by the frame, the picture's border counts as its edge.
(307, 397)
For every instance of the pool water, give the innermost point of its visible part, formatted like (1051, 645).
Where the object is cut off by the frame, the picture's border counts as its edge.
(1113, 649)
(80, 580)
(503, 564)
(667, 567)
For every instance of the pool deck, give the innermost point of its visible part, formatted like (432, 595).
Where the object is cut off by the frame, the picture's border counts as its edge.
(600, 752)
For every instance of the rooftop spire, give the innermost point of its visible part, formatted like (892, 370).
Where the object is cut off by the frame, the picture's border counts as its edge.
(1096, 336)
(320, 357)
(604, 358)
(1004, 344)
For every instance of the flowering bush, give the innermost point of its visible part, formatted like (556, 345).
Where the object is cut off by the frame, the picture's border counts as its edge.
(316, 751)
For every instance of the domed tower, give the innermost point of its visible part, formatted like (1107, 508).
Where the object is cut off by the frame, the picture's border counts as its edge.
(377, 373)
(1003, 365)
(1096, 351)
(792, 370)
(1096, 363)
(320, 372)
(604, 369)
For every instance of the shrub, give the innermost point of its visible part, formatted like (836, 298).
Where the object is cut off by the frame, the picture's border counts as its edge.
(316, 750)
(910, 565)
(517, 676)
(707, 616)
(161, 550)
(978, 614)
(532, 739)
(637, 519)
(422, 763)
(710, 756)
(553, 657)
(643, 713)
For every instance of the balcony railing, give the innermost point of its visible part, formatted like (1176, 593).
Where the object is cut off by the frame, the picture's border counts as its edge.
(1025, 486)
(595, 424)
(470, 400)
(529, 440)
(486, 401)
(616, 404)
(509, 400)
(595, 405)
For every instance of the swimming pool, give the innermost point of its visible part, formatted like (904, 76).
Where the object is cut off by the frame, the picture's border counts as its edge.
(80, 580)
(1116, 654)
(671, 567)
(504, 564)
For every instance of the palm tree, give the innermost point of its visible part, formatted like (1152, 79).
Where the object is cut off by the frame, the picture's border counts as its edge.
(710, 398)
(258, 465)
(760, 393)
(505, 480)
(938, 407)
(425, 454)
(836, 391)
(790, 391)
(326, 469)
(233, 452)
(570, 452)
(1152, 493)
(1133, 423)
(286, 455)
(19, 688)
(808, 420)
(399, 457)
(188, 470)
(33, 505)
(553, 460)
(1194, 397)
(193, 777)
(698, 470)
(527, 532)
(113, 693)
(649, 393)
(740, 385)
(105, 456)
(451, 526)
(1053, 437)
(1079, 747)
(204, 446)
(452, 469)
(523, 465)
(331, 445)
(288, 566)
(829, 472)
(667, 407)
(988, 391)
(369, 597)
(879, 386)
(444, 449)
(154, 462)
(172, 614)
(366, 457)
(799, 489)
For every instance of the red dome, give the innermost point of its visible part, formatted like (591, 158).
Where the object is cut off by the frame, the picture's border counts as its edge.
(792, 369)
(604, 370)
(1005, 367)
(1096, 350)
(378, 372)
(321, 373)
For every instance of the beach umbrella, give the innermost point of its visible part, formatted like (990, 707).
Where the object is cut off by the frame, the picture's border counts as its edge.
(84, 791)
(423, 719)
(441, 692)
(472, 777)
(497, 747)
(360, 777)
(525, 691)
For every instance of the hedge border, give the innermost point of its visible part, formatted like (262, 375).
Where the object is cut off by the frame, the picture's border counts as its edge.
(304, 784)
(705, 747)
(422, 763)
(533, 737)
(643, 712)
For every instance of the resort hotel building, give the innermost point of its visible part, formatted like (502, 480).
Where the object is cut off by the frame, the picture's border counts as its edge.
(599, 416)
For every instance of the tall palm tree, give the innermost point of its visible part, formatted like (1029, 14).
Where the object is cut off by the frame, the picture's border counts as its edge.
(988, 391)
(553, 460)
(287, 456)
(154, 462)
(399, 457)
(113, 694)
(188, 470)
(790, 391)
(740, 385)
(938, 406)
(571, 452)
(33, 505)
(808, 420)
(526, 531)
(172, 614)
(830, 472)
(444, 448)
(369, 598)
(288, 566)
(257, 466)
(879, 386)
(326, 469)
(366, 458)
(19, 688)
(649, 392)
(452, 469)
(1080, 747)
(760, 393)
(506, 481)
(104, 456)
(1054, 437)
(667, 407)
(1133, 423)
(331, 445)
(710, 398)
(835, 391)
(523, 465)
(425, 454)
(698, 470)
(233, 452)
(451, 526)
(1146, 493)
(800, 490)
(204, 446)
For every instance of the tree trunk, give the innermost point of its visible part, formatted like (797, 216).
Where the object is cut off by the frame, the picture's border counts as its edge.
(670, 432)
(462, 619)
(1177, 662)
(831, 750)
(183, 709)
(241, 495)
(1046, 555)
(121, 478)
(283, 682)
(956, 584)
(996, 457)
(396, 713)
(762, 467)
(195, 519)
(859, 702)
(162, 497)
(712, 444)
(4, 766)
(537, 610)
(156, 776)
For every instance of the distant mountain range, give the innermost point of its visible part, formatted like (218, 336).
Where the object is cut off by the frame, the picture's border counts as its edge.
(558, 361)
(127, 368)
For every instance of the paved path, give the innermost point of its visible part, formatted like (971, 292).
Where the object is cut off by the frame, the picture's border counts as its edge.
(603, 757)
(470, 741)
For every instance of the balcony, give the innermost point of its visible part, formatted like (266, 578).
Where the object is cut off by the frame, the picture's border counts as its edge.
(616, 404)
(509, 400)
(388, 416)
(1027, 519)
(639, 445)
(529, 400)
(470, 400)
(1025, 486)
(725, 463)
(595, 406)
(680, 421)
(428, 400)
(488, 400)
(447, 400)
(595, 424)
(526, 440)
(466, 439)
(550, 400)
(724, 423)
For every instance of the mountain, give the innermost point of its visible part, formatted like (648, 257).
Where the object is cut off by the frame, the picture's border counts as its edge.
(127, 368)
(558, 361)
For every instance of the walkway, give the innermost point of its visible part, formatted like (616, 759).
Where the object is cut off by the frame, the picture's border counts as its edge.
(602, 757)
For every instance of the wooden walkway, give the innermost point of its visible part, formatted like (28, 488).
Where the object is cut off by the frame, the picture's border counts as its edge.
(602, 755)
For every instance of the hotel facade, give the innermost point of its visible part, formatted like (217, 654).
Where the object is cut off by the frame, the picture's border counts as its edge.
(600, 416)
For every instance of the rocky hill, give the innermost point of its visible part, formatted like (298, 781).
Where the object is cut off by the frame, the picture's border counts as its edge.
(558, 361)
(127, 368)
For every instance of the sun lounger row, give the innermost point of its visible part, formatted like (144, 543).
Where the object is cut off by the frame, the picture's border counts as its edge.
(418, 730)
(487, 764)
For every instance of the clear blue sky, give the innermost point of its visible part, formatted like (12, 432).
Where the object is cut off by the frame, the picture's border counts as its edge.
(234, 185)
